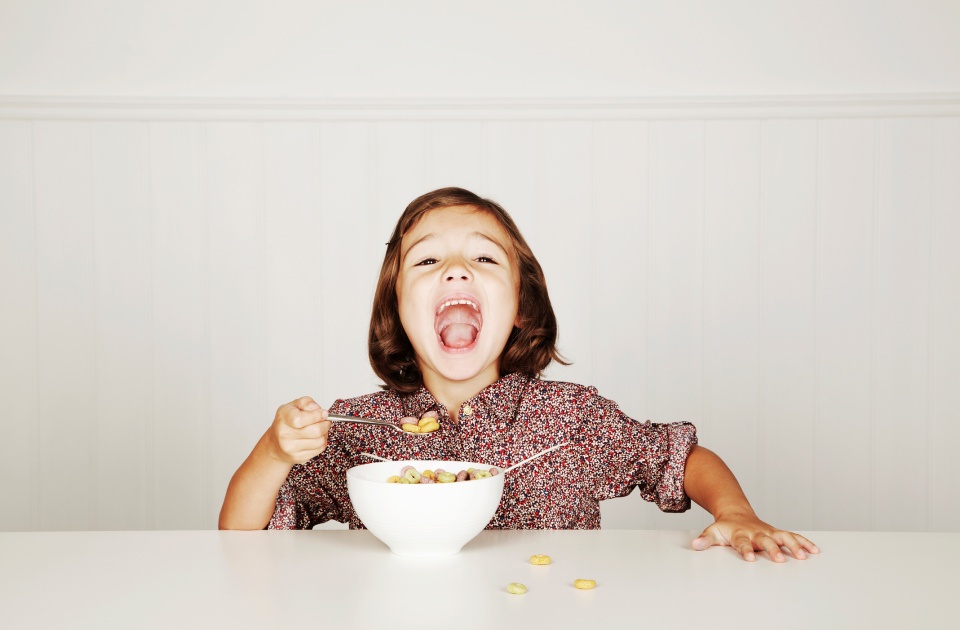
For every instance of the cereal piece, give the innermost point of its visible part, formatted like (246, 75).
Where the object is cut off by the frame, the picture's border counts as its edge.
(494, 471)
(516, 588)
(540, 559)
(481, 474)
(410, 428)
(429, 473)
(446, 477)
(584, 585)
(430, 414)
(462, 475)
(411, 474)
(429, 426)
(404, 480)
(425, 479)
(393, 479)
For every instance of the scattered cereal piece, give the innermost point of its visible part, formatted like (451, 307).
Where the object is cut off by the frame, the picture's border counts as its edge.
(584, 585)
(393, 479)
(540, 559)
(516, 588)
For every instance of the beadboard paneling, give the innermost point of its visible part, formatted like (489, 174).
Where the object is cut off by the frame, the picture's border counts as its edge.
(19, 390)
(904, 210)
(788, 289)
(944, 333)
(121, 226)
(845, 324)
(180, 324)
(784, 277)
(66, 320)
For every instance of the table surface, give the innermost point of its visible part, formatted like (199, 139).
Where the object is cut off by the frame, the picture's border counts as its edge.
(349, 579)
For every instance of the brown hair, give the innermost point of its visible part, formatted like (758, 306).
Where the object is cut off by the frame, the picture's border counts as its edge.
(530, 347)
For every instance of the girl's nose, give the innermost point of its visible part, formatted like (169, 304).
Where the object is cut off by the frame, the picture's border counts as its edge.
(457, 271)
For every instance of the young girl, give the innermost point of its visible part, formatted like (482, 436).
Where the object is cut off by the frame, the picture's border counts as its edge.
(462, 328)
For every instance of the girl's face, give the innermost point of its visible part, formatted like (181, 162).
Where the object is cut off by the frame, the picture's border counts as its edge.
(458, 294)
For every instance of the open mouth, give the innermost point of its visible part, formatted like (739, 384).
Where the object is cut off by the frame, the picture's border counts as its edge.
(458, 323)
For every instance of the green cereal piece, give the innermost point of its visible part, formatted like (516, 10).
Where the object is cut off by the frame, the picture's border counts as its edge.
(446, 477)
(516, 588)
(412, 475)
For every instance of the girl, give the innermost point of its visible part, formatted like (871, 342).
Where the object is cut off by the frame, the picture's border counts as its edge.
(462, 327)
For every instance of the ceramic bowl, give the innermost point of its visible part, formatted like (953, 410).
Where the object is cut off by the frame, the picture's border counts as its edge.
(423, 520)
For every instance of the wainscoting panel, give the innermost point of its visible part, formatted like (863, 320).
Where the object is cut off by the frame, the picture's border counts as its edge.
(783, 273)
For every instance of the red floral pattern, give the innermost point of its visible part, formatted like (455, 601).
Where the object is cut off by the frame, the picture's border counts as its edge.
(608, 455)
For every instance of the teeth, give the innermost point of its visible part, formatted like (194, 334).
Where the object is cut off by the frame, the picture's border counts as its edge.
(455, 302)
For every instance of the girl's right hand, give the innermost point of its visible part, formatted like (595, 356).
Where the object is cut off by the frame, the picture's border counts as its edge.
(299, 431)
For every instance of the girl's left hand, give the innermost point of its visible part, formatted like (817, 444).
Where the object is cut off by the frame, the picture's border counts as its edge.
(747, 534)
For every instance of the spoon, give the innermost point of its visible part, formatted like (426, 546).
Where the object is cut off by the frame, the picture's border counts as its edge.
(355, 420)
(533, 457)
(505, 470)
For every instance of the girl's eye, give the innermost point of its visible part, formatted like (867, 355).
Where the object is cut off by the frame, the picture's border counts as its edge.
(486, 259)
(426, 261)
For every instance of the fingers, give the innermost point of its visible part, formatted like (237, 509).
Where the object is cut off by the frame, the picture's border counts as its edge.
(747, 543)
(744, 547)
(301, 413)
(707, 539)
(807, 544)
(300, 430)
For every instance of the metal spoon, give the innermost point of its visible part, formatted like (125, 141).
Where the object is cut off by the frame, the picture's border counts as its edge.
(355, 420)
(505, 470)
(533, 457)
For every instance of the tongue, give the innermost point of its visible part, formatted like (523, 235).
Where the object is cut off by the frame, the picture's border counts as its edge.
(458, 335)
(458, 326)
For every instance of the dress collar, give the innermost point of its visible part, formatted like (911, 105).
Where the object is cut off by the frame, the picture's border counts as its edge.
(496, 402)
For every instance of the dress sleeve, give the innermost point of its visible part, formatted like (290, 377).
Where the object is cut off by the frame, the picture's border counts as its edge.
(623, 454)
(303, 500)
(316, 491)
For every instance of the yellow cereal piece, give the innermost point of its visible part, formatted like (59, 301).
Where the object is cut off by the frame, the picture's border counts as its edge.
(540, 559)
(429, 474)
(429, 427)
(393, 479)
(584, 585)
(410, 428)
(516, 588)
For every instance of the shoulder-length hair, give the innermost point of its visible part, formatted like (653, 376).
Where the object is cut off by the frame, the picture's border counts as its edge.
(530, 347)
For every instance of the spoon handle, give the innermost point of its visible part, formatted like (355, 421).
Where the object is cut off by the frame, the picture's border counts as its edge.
(533, 457)
(354, 419)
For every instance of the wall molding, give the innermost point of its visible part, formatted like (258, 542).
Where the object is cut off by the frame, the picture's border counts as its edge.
(370, 109)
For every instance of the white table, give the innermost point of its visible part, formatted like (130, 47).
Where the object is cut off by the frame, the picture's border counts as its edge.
(347, 579)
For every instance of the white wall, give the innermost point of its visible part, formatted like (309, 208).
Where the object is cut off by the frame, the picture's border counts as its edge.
(193, 203)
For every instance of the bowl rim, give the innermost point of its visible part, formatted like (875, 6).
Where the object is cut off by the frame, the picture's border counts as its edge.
(353, 474)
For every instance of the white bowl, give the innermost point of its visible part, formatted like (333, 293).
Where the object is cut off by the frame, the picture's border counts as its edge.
(423, 520)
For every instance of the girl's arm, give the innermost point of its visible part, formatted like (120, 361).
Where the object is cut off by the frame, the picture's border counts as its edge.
(709, 483)
(298, 433)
